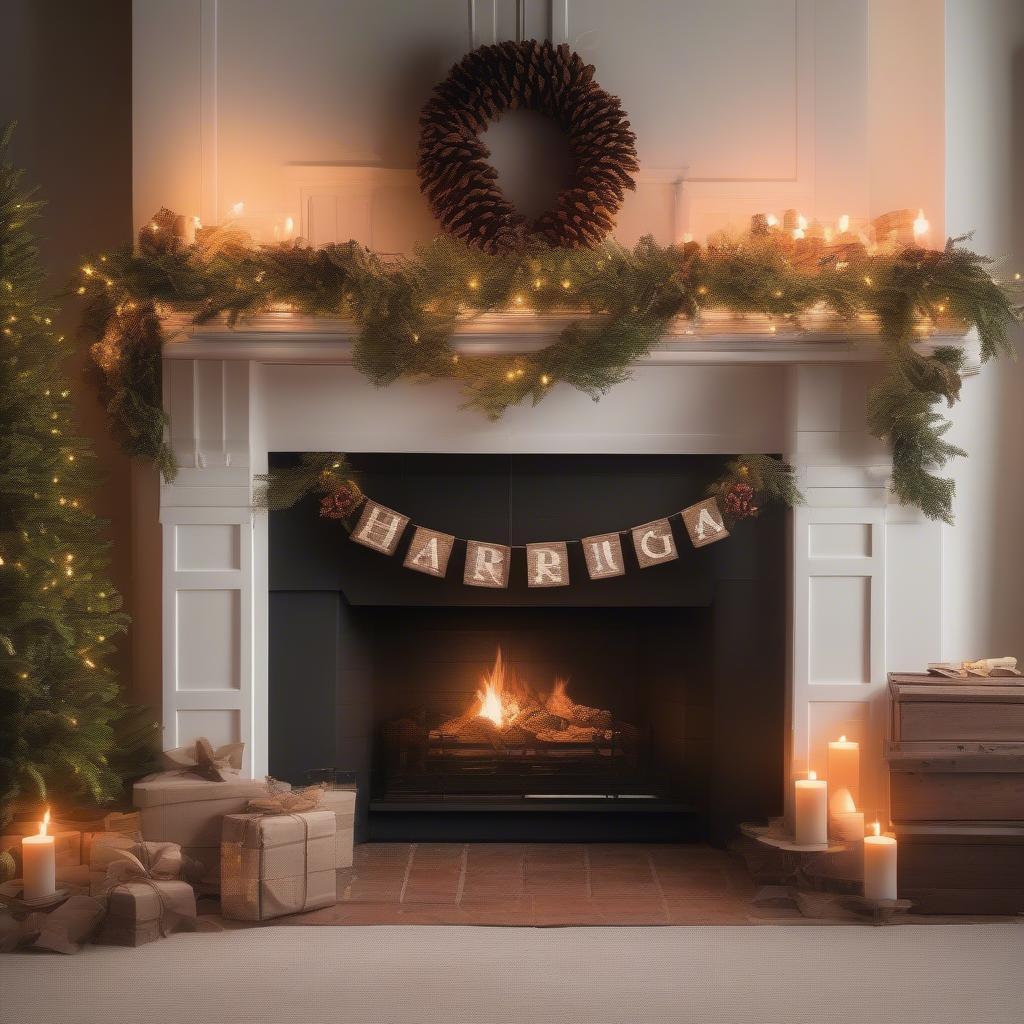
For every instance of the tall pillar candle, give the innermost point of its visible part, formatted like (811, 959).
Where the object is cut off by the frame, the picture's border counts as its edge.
(879, 866)
(39, 864)
(811, 807)
(843, 773)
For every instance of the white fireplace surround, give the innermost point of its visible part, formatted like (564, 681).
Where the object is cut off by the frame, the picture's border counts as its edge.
(863, 587)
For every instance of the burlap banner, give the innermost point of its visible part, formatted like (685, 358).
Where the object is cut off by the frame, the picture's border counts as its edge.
(489, 564)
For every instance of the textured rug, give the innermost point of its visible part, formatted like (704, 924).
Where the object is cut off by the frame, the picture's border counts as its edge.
(804, 975)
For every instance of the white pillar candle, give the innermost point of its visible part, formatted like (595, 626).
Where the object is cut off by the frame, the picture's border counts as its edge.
(879, 866)
(811, 806)
(843, 773)
(39, 864)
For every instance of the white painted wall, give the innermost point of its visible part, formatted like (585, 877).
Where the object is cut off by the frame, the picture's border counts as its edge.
(983, 555)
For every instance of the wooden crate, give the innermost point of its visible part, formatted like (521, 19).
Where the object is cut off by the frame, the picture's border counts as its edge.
(930, 709)
(966, 782)
(949, 869)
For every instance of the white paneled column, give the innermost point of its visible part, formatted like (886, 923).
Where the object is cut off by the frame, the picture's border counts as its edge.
(208, 596)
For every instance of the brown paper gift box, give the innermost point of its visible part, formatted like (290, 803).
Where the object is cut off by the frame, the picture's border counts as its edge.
(278, 864)
(343, 803)
(144, 910)
(179, 807)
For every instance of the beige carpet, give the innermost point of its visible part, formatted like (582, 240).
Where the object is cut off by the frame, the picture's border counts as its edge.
(759, 975)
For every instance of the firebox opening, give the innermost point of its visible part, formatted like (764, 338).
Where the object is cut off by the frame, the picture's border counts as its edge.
(638, 709)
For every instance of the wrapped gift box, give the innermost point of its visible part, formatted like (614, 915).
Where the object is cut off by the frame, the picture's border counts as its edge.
(343, 803)
(179, 807)
(279, 864)
(144, 910)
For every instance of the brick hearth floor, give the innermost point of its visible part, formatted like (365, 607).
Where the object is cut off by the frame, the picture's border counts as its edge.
(538, 884)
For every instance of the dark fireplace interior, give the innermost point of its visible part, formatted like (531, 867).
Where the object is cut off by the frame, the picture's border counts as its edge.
(641, 708)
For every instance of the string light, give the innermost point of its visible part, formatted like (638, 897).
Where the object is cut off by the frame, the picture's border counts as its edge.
(473, 284)
(519, 300)
(545, 379)
(567, 284)
(88, 271)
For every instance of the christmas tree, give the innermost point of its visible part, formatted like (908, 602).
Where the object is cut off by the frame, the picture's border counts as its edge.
(59, 613)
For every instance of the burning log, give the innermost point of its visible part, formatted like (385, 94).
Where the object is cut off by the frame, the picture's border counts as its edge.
(563, 706)
(574, 734)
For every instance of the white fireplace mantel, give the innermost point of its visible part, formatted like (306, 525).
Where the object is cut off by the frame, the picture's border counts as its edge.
(863, 586)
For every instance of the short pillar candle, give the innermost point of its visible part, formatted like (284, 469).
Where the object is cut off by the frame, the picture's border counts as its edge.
(843, 772)
(811, 806)
(39, 864)
(879, 866)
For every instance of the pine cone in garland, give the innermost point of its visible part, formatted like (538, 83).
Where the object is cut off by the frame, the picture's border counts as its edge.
(739, 502)
(340, 504)
(461, 186)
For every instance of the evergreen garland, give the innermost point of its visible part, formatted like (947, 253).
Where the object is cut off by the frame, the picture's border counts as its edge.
(408, 308)
(59, 613)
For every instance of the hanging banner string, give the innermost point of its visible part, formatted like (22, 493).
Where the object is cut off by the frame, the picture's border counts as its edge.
(547, 563)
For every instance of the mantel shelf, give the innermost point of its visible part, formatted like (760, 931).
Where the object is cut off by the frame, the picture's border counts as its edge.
(717, 339)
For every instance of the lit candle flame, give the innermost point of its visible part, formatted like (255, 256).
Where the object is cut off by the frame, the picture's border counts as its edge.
(45, 822)
(843, 224)
(289, 226)
(842, 739)
(920, 225)
(812, 776)
(876, 828)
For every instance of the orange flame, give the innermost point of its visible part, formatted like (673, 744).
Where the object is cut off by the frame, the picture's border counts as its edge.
(876, 828)
(45, 822)
(490, 695)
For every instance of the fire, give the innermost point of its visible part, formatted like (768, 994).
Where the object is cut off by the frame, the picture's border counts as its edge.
(45, 822)
(490, 696)
(876, 828)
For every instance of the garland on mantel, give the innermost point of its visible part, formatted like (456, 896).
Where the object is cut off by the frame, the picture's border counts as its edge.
(407, 309)
(745, 485)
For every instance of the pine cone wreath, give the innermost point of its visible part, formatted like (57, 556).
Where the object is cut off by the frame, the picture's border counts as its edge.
(461, 186)
(340, 504)
(739, 502)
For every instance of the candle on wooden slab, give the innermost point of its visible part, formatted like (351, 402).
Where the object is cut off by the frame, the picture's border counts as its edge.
(846, 823)
(879, 865)
(39, 864)
(843, 773)
(811, 807)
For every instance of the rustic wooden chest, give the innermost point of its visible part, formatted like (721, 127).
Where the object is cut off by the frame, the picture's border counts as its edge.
(956, 791)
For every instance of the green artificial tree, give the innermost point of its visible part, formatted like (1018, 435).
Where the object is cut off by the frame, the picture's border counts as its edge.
(60, 705)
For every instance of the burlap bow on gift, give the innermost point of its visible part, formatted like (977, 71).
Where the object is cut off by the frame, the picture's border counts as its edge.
(282, 799)
(200, 758)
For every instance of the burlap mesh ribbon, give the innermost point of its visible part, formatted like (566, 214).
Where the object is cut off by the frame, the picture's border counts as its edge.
(282, 799)
(200, 758)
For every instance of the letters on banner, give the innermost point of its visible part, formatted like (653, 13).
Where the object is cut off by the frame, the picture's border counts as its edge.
(547, 564)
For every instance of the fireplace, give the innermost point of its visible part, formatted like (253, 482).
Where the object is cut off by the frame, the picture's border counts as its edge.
(649, 706)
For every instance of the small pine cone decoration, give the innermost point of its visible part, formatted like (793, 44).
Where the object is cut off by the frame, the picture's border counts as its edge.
(340, 504)
(739, 502)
